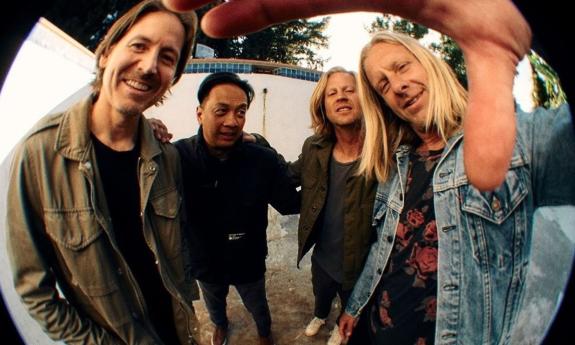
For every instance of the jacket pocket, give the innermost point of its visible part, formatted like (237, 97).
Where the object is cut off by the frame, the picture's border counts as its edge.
(166, 222)
(84, 253)
(496, 206)
(167, 204)
(73, 229)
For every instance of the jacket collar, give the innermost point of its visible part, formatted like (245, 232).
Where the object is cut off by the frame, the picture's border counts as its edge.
(324, 145)
(73, 137)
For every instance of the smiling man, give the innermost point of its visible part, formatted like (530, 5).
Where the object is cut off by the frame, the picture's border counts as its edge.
(94, 221)
(449, 263)
(229, 184)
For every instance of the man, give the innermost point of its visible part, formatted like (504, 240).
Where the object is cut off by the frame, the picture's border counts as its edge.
(230, 184)
(94, 221)
(336, 202)
(449, 262)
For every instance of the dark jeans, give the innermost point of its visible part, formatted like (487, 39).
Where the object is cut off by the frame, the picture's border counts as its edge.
(253, 296)
(324, 290)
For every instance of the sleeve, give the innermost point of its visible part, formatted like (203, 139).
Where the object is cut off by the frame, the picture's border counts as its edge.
(30, 255)
(550, 138)
(293, 168)
(284, 197)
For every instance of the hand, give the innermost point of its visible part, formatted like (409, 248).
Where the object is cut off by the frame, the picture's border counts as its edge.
(492, 34)
(346, 325)
(248, 138)
(160, 130)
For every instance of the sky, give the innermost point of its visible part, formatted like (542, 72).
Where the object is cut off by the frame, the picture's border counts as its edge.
(348, 34)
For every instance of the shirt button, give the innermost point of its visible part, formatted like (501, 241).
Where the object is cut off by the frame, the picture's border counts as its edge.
(495, 204)
(389, 239)
(379, 271)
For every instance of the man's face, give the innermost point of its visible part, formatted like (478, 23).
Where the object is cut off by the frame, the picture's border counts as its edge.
(222, 115)
(140, 67)
(341, 101)
(398, 77)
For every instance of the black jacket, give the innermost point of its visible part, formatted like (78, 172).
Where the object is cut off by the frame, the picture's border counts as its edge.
(227, 208)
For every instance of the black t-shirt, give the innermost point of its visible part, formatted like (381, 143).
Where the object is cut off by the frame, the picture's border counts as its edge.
(404, 308)
(328, 250)
(119, 174)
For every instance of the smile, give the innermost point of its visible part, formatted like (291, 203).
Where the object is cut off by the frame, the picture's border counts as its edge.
(411, 101)
(138, 85)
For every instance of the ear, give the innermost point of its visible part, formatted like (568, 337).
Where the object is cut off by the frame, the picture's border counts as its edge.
(103, 60)
(199, 114)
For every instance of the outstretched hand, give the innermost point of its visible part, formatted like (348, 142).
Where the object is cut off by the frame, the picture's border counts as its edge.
(492, 34)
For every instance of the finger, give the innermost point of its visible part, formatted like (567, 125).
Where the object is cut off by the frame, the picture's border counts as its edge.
(236, 17)
(184, 5)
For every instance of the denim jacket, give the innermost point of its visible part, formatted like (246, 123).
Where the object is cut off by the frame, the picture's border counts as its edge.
(59, 231)
(484, 237)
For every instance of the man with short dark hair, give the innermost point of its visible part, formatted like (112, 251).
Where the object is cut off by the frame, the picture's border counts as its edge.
(230, 184)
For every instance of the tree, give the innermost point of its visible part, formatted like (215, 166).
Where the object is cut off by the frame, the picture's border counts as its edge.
(547, 91)
(292, 43)
(446, 47)
(87, 20)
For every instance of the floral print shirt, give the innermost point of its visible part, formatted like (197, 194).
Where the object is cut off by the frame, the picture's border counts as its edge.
(404, 305)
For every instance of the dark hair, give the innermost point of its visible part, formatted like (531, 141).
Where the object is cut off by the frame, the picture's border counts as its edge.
(123, 24)
(219, 78)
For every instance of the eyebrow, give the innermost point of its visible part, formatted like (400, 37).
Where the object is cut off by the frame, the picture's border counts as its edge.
(147, 40)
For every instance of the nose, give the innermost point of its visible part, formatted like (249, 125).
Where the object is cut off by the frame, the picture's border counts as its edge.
(341, 95)
(399, 85)
(149, 63)
(230, 120)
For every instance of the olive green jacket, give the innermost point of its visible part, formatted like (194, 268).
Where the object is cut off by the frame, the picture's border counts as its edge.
(60, 231)
(311, 171)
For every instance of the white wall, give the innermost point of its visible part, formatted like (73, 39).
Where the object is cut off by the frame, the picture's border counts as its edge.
(281, 115)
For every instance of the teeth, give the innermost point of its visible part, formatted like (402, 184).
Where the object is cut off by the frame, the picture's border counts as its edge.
(137, 85)
(411, 101)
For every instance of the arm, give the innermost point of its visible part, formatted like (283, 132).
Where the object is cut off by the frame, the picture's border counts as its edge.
(492, 34)
(284, 196)
(549, 137)
(29, 251)
(293, 168)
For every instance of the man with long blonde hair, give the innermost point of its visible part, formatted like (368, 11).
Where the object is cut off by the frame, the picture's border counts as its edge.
(449, 261)
(336, 201)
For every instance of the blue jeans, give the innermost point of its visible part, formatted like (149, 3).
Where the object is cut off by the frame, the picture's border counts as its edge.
(253, 296)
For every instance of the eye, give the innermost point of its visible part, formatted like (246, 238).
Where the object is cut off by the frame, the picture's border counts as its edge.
(350, 90)
(331, 93)
(402, 67)
(382, 86)
(220, 111)
(241, 112)
(169, 59)
(138, 46)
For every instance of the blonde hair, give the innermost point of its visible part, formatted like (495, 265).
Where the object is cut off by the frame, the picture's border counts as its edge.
(319, 121)
(384, 131)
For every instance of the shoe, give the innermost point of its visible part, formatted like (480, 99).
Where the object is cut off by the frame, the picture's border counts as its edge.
(314, 326)
(220, 336)
(267, 340)
(335, 338)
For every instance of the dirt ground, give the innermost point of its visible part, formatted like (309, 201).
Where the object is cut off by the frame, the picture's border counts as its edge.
(289, 293)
